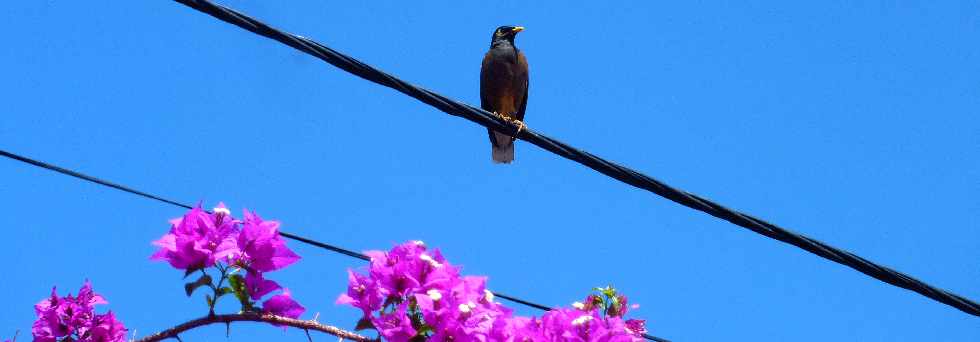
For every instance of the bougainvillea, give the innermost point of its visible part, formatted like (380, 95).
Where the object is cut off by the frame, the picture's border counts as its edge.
(73, 318)
(200, 240)
(411, 293)
(599, 318)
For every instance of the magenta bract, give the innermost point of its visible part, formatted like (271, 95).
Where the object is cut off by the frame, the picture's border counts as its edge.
(198, 239)
(75, 318)
(260, 247)
(283, 305)
(411, 292)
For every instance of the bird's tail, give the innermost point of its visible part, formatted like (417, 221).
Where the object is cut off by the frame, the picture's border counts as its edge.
(505, 153)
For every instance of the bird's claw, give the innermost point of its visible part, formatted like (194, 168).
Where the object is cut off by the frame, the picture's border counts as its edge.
(520, 126)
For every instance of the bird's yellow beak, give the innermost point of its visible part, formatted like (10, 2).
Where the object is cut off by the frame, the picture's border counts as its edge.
(518, 29)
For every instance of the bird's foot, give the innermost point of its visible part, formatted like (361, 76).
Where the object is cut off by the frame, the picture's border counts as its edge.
(520, 126)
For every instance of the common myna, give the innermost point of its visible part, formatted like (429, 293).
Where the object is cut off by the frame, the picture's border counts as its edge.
(503, 88)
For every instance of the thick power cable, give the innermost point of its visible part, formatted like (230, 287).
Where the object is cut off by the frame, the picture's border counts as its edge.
(311, 242)
(619, 172)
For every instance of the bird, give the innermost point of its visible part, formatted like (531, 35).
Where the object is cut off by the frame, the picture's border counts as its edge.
(503, 89)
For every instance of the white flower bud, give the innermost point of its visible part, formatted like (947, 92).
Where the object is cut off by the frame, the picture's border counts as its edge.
(581, 320)
(430, 260)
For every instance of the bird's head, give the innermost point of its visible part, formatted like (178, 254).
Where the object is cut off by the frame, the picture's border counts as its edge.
(506, 33)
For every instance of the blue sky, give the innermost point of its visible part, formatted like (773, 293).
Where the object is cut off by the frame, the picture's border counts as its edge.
(852, 122)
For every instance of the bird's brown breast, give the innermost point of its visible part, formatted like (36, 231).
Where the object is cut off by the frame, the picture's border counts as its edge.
(503, 82)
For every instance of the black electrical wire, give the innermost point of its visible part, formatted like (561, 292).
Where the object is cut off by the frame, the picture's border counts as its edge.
(311, 242)
(124, 188)
(619, 172)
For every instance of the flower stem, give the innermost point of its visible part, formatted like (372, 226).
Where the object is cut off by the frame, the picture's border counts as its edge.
(217, 289)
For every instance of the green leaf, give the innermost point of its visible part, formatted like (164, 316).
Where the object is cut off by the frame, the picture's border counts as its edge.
(609, 291)
(236, 280)
(209, 300)
(425, 330)
(238, 288)
(364, 323)
(225, 290)
(418, 321)
(190, 287)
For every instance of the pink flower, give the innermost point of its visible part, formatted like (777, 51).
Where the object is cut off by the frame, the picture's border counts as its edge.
(260, 247)
(401, 270)
(395, 326)
(257, 286)
(412, 292)
(636, 326)
(283, 305)
(363, 293)
(620, 308)
(74, 318)
(519, 329)
(107, 328)
(198, 239)
(576, 325)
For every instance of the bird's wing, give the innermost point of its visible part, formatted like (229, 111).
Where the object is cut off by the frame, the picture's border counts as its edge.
(522, 102)
(485, 102)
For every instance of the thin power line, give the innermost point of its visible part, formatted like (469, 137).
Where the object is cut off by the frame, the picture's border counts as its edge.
(311, 242)
(619, 172)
